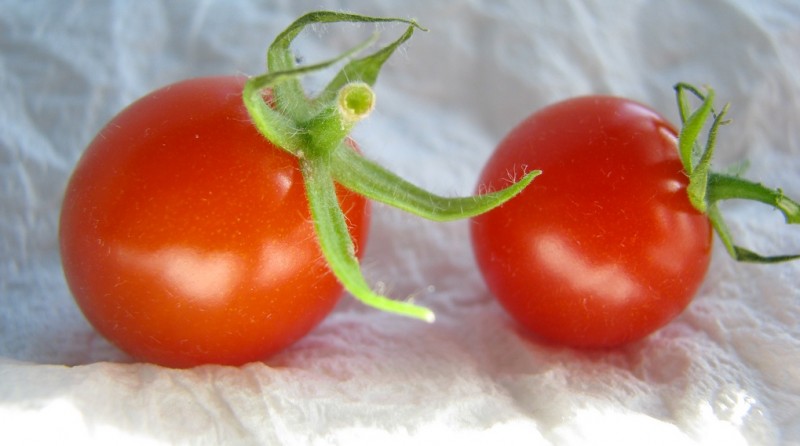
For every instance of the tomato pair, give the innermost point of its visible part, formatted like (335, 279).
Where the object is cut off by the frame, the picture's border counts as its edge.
(187, 238)
(217, 220)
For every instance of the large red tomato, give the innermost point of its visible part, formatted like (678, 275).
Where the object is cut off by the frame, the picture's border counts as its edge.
(605, 247)
(186, 236)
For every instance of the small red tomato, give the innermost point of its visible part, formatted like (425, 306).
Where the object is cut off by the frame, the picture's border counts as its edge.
(186, 237)
(605, 248)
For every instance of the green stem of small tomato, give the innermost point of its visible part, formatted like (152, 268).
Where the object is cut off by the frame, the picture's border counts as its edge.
(314, 130)
(336, 244)
(281, 58)
(330, 127)
(354, 172)
(275, 125)
(728, 187)
(707, 188)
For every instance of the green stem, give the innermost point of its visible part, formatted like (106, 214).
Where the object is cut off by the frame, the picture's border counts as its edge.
(327, 130)
(281, 58)
(706, 187)
(313, 130)
(337, 246)
(360, 175)
(727, 187)
(276, 126)
(737, 252)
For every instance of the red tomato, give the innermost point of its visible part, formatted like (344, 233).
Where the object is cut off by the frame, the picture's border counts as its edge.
(604, 248)
(186, 236)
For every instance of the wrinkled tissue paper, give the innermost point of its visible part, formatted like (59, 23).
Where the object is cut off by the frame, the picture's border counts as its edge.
(727, 371)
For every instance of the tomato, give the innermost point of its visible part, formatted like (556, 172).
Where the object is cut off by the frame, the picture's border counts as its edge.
(186, 236)
(605, 248)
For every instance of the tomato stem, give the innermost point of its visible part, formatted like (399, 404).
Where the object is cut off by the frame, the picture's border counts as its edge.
(707, 188)
(314, 130)
(330, 127)
(356, 101)
(337, 246)
(356, 173)
(280, 58)
(279, 128)
(727, 187)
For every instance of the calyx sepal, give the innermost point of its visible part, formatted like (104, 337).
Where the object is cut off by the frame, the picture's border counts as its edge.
(707, 188)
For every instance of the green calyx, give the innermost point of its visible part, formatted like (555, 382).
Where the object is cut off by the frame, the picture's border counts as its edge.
(314, 129)
(707, 188)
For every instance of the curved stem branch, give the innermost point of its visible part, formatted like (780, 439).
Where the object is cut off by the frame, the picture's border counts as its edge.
(737, 252)
(337, 245)
(360, 175)
(727, 187)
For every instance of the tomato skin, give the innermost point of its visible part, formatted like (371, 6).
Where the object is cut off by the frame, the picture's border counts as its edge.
(604, 247)
(186, 237)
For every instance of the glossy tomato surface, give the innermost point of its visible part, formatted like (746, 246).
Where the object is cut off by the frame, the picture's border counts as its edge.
(186, 237)
(604, 247)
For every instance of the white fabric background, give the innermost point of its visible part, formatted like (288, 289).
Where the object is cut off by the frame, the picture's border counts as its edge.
(725, 372)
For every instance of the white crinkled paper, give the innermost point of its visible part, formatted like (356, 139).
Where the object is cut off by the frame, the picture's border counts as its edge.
(727, 371)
